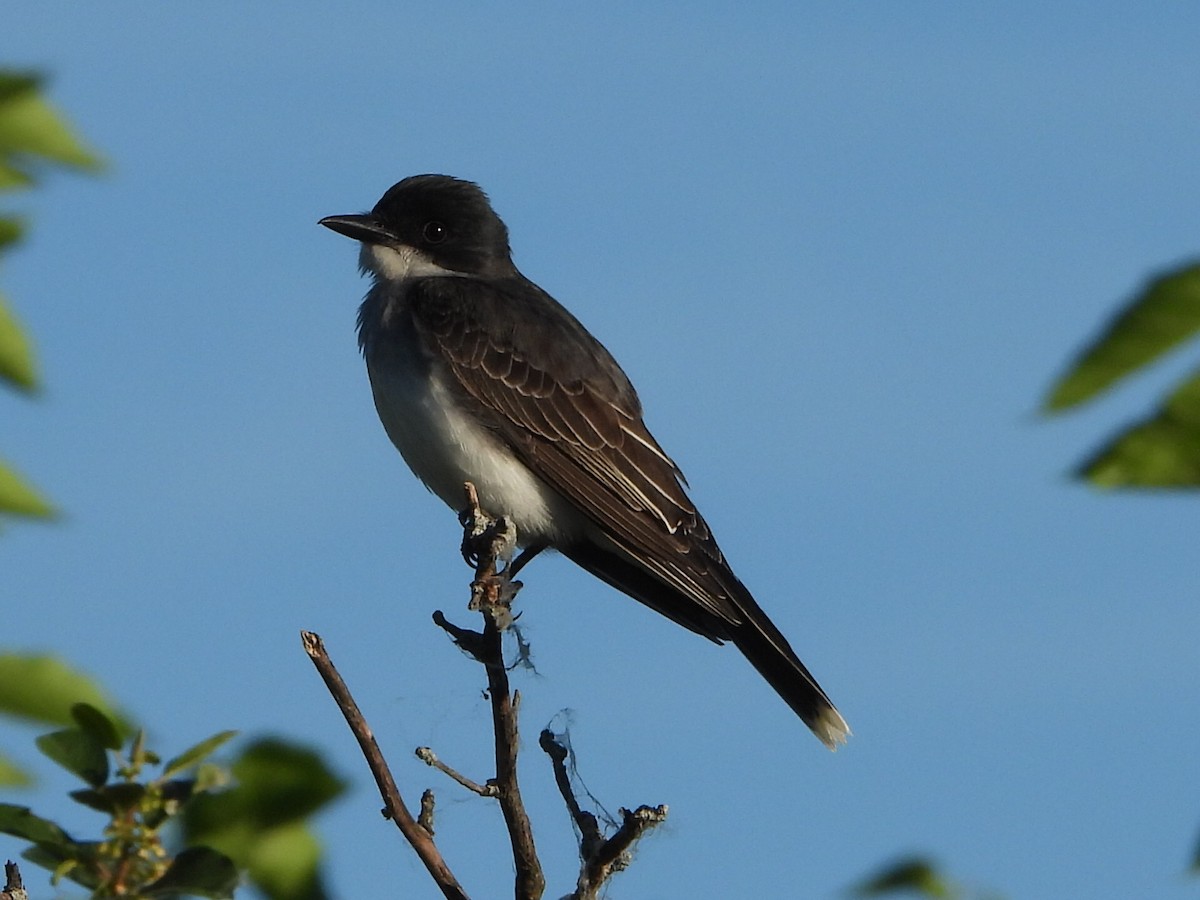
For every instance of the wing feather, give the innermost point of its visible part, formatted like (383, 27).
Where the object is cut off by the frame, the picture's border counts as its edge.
(560, 401)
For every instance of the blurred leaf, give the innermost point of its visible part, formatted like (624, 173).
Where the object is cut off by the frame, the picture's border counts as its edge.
(914, 875)
(12, 775)
(198, 871)
(259, 821)
(44, 688)
(15, 83)
(111, 798)
(22, 822)
(11, 177)
(77, 752)
(16, 354)
(196, 754)
(1164, 314)
(210, 777)
(79, 860)
(276, 782)
(1161, 452)
(10, 231)
(285, 864)
(97, 724)
(18, 498)
(31, 128)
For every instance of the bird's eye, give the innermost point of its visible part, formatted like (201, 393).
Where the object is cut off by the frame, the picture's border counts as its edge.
(434, 232)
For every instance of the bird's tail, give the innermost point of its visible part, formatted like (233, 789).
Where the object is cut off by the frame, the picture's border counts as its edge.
(769, 652)
(745, 624)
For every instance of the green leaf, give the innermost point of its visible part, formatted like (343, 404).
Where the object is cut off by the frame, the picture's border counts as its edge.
(76, 861)
(22, 822)
(285, 864)
(77, 752)
(15, 83)
(11, 177)
(198, 871)
(259, 822)
(12, 775)
(196, 754)
(44, 688)
(18, 498)
(111, 798)
(277, 782)
(914, 875)
(31, 127)
(1162, 451)
(16, 354)
(10, 231)
(1164, 314)
(97, 724)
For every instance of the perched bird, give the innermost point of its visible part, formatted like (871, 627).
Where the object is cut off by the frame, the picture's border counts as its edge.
(479, 375)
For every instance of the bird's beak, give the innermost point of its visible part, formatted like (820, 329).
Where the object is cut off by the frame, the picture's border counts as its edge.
(365, 228)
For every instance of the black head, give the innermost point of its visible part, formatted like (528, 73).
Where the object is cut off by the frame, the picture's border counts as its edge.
(447, 221)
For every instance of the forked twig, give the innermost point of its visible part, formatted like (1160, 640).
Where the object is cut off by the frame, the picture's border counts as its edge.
(602, 858)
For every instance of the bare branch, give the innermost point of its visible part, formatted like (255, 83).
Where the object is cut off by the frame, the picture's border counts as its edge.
(601, 858)
(471, 641)
(488, 544)
(590, 836)
(14, 888)
(614, 854)
(427, 756)
(488, 541)
(394, 807)
(425, 817)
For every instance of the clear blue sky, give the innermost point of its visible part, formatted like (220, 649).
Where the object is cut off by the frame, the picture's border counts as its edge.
(842, 252)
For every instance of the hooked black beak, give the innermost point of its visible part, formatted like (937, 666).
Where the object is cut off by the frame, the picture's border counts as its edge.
(365, 228)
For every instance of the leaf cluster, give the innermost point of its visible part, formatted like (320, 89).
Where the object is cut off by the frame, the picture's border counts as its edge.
(130, 858)
(186, 826)
(1162, 450)
(33, 136)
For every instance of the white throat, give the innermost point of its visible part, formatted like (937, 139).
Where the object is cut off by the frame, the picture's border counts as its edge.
(399, 264)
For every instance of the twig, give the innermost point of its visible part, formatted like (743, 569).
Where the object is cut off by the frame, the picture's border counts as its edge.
(601, 858)
(394, 807)
(590, 836)
(471, 641)
(613, 855)
(487, 540)
(427, 756)
(425, 817)
(14, 887)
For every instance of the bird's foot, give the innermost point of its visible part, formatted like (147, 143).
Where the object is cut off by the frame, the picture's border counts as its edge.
(487, 546)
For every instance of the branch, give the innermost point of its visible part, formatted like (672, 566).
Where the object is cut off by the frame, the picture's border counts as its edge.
(14, 888)
(601, 858)
(394, 807)
(487, 545)
(614, 854)
(487, 541)
(590, 836)
(427, 756)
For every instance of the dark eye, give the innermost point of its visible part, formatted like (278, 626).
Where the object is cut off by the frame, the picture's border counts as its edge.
(434, 232)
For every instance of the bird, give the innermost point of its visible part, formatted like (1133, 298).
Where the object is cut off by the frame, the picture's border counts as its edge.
(478, 375)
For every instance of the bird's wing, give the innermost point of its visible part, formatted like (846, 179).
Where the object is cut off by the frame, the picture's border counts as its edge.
(556, 396)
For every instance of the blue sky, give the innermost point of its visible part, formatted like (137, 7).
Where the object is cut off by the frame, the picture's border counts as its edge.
(841, 251)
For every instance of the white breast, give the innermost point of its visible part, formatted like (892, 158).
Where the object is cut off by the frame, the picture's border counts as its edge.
(445, 446)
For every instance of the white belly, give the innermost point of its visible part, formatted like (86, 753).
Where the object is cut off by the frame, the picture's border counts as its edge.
(445, 447)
